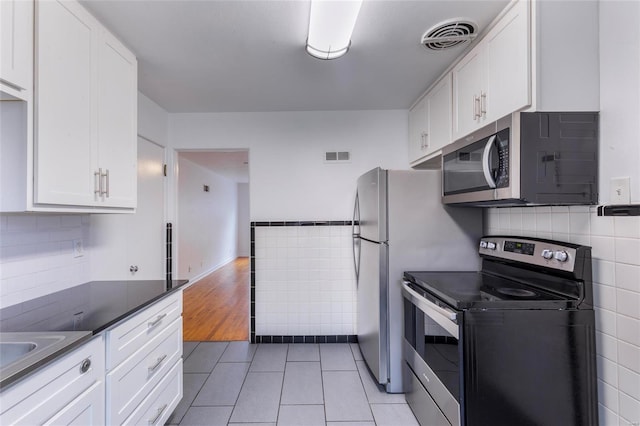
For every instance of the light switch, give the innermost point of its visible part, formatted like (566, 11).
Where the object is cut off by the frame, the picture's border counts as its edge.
(620, 192)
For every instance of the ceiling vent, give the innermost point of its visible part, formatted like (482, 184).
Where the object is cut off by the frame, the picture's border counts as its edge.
(449, 34)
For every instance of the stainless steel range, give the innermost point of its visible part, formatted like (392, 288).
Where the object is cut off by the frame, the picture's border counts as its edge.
(513, 344)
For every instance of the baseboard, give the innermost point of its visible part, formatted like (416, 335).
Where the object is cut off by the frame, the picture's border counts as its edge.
(200, 276)
(332, 338)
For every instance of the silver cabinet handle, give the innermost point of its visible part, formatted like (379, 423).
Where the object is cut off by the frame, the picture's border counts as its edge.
(155, 366)
(103, 181)
(96, 183)
(158, 414)
(156, 321)
(483, 104)
(84, 367)
(107, 184)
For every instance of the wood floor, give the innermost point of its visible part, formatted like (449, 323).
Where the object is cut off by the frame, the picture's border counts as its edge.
(216, 308)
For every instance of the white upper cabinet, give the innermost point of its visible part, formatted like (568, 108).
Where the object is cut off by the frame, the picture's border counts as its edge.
(85, 113)
(117, 121)
(493, 79)
(430, 125)
(16, 49)
(66, 127)
(418, 130)
(539, 56)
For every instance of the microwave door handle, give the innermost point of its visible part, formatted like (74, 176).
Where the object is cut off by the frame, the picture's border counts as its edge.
(486, 167)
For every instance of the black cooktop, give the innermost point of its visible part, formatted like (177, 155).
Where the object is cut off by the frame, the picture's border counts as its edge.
(93, 306)
(480, 290)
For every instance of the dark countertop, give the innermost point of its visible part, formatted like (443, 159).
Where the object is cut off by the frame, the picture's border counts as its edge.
(94, 306)
(91, 308)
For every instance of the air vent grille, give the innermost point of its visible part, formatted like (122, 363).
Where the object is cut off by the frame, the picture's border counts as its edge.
(337, 157)
(449, 34)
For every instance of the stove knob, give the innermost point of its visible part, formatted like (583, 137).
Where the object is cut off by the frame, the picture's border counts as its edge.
(491, 245)
(483, 244)
(547, 254)
(561, 256)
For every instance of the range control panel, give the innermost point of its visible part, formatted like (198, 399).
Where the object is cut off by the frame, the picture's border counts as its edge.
(549, 254)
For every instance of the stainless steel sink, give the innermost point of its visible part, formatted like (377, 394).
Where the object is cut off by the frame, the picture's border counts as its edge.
(11, 351)
(23, 352)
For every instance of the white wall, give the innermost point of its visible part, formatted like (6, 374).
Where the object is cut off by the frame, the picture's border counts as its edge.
(153, 121)
(619, 94)
(207, 222)
(289, 179)
(244, 221)
(36, 255)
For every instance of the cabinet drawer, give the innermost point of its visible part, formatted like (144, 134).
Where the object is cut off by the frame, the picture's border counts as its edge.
(130, 383)
(37, 398)
(125, 339)
(158, 406)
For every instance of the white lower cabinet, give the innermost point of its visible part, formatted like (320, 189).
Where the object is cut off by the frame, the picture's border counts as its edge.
(69, 391)
(144, 365)
(134, 379)
(158, 406)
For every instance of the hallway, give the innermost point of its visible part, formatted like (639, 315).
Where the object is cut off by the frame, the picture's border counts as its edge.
(216, 308)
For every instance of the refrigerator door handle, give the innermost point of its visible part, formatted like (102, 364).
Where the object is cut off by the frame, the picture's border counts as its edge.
(356, 257)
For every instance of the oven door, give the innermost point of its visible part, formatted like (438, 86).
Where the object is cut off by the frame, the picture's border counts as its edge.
(432, 350)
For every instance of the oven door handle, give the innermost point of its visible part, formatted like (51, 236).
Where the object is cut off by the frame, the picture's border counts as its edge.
(447, 318)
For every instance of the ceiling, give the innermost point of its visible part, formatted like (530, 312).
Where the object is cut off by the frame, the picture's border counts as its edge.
(232, 165)
(242, 56)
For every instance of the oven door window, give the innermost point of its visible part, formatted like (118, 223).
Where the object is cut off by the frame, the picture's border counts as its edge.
(479, 166)
(439, 350)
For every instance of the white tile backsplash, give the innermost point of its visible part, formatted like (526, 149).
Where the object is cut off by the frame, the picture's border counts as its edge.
(305, 284)
(36, 255)
(615, 243)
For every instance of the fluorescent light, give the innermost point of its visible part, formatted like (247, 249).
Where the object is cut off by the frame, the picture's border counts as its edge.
(330, 27)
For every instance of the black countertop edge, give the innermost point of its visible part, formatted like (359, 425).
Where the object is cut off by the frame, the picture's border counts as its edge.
(177, 285)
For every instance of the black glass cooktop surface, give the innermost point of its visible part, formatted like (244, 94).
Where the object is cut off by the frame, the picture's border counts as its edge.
(93, 306)
(479, 290)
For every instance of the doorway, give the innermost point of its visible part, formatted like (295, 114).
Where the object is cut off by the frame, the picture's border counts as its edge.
(213, 243)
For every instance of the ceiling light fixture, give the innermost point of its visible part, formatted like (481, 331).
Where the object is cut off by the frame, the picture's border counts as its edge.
(331, 24)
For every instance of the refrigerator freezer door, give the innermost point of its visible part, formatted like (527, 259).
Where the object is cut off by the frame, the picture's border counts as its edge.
(372, 205)
(372, 308)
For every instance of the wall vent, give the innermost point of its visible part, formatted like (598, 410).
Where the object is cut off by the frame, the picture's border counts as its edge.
(337, 157)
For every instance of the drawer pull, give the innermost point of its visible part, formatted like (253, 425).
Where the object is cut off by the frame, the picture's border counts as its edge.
(158, 414)
(86, 364)
(156, 321)
(155, 366)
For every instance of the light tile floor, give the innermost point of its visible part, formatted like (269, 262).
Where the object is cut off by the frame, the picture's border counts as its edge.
(237, 383)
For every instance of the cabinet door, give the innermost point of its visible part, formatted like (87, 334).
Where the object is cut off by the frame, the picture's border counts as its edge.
(439, 115)
(417, 130)
(16, 48)
(117, 122)
(65, 125)
(86, 409)
(468, 84)
(508, 64)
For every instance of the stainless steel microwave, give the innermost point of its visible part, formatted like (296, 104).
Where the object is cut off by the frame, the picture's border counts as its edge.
(526, 158)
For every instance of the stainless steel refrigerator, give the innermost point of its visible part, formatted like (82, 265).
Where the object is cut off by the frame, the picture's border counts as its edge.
(401, 225)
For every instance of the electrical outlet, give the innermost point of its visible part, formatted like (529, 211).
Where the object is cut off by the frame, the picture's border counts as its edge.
(78, 250)
(620, 191)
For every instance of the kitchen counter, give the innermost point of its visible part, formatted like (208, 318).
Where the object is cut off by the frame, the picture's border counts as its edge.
(91, 308)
